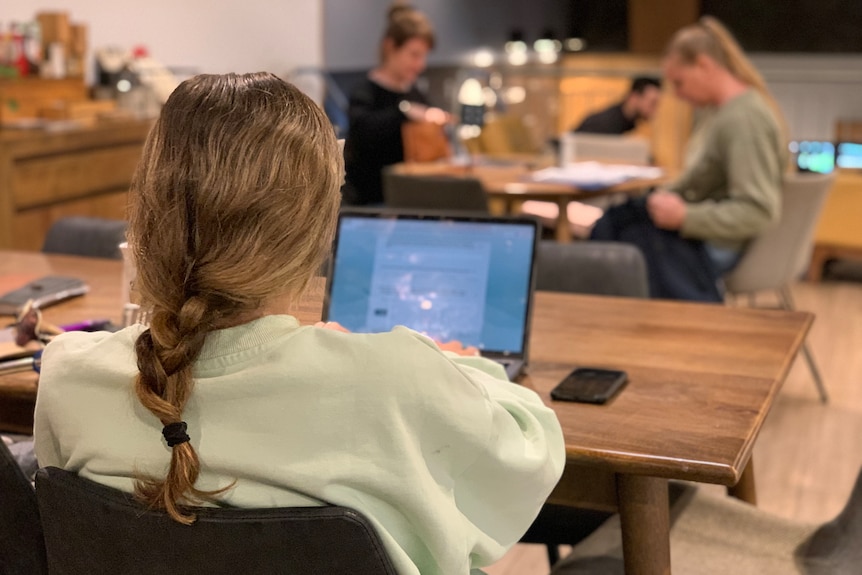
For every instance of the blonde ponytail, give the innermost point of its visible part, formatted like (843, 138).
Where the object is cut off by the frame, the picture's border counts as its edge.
(711, 38)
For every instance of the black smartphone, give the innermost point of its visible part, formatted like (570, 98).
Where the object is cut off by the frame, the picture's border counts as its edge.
(590, 385)
(43, 291)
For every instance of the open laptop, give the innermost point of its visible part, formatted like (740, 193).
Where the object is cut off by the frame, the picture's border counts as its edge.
(468, 278)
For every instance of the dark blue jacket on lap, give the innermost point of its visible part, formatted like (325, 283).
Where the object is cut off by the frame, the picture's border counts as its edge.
(678, 268)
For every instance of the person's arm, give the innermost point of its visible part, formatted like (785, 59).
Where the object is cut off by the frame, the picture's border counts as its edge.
(516, 465)
(504, 489)
(518, 454)
(753, 168)
(45, 441)
(53, 374)
(470, 456)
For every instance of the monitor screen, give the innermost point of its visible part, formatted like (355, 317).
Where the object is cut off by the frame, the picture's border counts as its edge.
(814, 156)
(467, 280)
(849, 155)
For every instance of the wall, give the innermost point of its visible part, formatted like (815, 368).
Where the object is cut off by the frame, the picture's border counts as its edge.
(281, 36)
(814, 90)
(352, 28)
(653, 22)
(199, 35)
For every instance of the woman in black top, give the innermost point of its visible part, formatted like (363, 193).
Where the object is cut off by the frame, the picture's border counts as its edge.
(383, 101)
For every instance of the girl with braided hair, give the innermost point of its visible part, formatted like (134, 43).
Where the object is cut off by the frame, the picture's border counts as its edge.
(225, 399)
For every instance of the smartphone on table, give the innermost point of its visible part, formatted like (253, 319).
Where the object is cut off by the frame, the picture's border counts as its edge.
(590, 385)
(43, 291)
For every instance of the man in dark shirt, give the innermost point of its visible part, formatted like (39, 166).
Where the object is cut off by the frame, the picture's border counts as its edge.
(640, 104)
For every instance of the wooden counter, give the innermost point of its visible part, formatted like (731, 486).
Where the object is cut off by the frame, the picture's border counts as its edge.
(47, 175)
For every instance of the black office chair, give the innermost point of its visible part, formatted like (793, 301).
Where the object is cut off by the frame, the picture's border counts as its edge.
(598, 268)
(449, 193)
(22, 548)
(84, 236)
(93, 529)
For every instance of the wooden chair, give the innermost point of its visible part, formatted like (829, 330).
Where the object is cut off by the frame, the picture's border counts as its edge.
(95, 530)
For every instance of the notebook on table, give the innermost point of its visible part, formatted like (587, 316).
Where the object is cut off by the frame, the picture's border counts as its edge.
(451, 277)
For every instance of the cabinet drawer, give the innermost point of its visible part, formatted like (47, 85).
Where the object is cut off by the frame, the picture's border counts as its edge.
(47, 179)
(30, 227)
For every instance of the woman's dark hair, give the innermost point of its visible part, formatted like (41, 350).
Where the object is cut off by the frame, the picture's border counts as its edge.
(403, 23)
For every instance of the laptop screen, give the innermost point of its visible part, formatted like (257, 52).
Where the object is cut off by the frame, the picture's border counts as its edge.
(467, 279)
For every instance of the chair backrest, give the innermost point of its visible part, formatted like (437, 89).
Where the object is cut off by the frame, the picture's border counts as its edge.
(433, 192)
(622, 149)
(84, 236)
(93, 529)
(599, 268)
(22, 548)
(781, 254)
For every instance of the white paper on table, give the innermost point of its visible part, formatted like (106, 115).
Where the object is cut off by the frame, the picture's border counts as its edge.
(595, 174)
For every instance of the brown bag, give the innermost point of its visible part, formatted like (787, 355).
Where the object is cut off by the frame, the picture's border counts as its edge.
(424, 142)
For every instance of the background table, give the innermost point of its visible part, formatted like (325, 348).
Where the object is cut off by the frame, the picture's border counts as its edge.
(511, 185)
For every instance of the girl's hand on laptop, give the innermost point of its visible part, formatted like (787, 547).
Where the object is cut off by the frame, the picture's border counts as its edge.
(457, 347)
(333, 325)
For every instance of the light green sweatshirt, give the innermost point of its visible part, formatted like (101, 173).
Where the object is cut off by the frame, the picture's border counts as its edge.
(449, 460)
(733, 176)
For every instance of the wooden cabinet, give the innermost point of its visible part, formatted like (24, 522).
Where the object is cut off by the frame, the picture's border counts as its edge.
(25, 97)
(839, 232)
(45, 176)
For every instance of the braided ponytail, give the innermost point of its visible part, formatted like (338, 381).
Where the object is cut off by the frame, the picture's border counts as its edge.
(166, 353)
(233, 205)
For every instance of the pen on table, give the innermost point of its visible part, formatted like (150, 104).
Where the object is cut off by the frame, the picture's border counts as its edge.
(33, 362)
(87, 325)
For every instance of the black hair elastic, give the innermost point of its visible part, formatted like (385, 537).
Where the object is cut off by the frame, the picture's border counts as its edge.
(175, 433)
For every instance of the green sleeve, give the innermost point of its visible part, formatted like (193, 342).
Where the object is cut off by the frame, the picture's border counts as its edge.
(753, 168)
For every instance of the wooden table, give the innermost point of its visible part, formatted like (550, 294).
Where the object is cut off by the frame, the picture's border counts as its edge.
(702, 379)
(509, 184)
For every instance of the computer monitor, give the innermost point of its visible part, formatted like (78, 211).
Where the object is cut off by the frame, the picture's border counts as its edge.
(849, 155)
(813, 155)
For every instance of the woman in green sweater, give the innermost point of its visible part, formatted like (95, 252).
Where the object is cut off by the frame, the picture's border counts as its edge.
(730, 188)
(225, 398)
